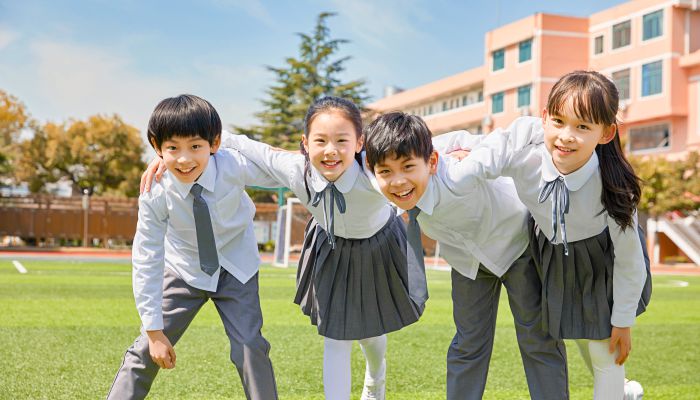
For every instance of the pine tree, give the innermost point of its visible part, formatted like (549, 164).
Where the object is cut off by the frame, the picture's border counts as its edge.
(312, 74)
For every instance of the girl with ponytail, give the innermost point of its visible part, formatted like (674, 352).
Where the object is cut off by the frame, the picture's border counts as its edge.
(570, 172)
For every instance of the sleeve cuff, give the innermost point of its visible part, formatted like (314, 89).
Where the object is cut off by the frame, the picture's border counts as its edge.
(622, 320)
(152, 322)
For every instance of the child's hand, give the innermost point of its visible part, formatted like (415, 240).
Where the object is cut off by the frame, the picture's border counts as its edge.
(622, 338)
(459, 154)
(155, 168)
(162, 352)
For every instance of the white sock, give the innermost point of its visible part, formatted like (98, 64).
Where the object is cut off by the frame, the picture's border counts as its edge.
(336, 368)
(608, 377)
(375, 353)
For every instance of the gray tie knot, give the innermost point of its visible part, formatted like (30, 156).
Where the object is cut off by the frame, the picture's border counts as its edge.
(413, 213)
(196, 190)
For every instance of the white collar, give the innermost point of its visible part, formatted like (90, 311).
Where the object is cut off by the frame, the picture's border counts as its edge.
(344, 183)
(207, 180)
(575, 180)
(426, 203)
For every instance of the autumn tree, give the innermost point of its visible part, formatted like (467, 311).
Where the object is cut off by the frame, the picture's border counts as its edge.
(13, 118)
(102, 154)
(313, 73)
(668, 185)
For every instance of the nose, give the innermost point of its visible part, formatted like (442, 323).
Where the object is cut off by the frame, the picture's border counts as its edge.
(330, 150)
(566, 136)
(398, 180)
(183, 158)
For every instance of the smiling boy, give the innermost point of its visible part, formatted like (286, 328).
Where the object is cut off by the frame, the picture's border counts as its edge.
(482, 234)
(194, 242)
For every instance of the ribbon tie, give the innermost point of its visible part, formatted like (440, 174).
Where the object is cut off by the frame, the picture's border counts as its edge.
(560, 206)
(336, 198)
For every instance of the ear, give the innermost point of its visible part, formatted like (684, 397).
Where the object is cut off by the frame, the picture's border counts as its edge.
(360, 143)
(156, 148)
(215, 145)
(433, 162)
(305, 142)
(608, 134)
(545, 115)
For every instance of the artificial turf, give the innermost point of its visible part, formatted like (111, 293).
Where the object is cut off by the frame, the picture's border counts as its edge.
(64, 327)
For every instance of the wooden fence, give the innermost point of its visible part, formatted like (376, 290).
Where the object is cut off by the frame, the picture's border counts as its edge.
(41, 218)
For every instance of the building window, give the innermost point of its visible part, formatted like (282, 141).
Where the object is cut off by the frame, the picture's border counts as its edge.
(525, 50)
(621, 34)
(651, 78)
(499, 59)
(653, 24)
(444, 106)
(649, 137)
(480, 96)
(464, 100)
(622, 82)
(599, 44)
(524, 96)
(497, 103)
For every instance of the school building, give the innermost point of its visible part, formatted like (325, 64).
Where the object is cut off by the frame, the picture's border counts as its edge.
(649, 48)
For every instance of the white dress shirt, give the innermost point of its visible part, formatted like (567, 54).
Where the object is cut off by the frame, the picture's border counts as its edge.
(485, 224)
(519, 152)
(166, 235)
(367, 210)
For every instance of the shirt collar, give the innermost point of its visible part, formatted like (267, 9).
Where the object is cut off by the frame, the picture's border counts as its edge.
(426, 203)
(344, 183)
(207, 180)
(575, 180)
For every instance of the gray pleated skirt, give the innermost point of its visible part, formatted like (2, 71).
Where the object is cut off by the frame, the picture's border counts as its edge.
(577, 290)
(359, 289)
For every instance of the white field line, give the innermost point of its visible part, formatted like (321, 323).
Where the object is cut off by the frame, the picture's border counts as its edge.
(678, 283)
(19, 267)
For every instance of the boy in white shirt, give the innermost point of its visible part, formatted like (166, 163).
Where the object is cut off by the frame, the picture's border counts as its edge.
(194, 242)
(482, 234)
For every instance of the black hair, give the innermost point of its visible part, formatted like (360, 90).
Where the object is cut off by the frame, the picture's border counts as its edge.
(324, 105)
(595, 99)
(398, 134)
(186, 116)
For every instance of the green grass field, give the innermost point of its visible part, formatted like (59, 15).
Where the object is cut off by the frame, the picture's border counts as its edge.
(64, 327)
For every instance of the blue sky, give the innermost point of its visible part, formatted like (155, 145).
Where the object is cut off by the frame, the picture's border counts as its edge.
(72, 59)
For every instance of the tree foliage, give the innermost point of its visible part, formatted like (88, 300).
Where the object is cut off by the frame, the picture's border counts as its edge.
(13, 118)
(668, 185)
(102, 154)
(312, 74)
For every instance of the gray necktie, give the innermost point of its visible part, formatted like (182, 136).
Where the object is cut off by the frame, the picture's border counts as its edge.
(208, 258)
(560, 206)
(417, 285)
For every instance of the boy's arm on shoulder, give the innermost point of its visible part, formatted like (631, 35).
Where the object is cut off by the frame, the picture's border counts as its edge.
(148, 257)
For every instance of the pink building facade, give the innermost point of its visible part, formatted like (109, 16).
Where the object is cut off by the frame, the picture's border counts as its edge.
(649, 48)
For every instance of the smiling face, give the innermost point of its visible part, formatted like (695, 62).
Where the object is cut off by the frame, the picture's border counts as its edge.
(570, 140)
(331, 144)
(403, 180)
(187, 157)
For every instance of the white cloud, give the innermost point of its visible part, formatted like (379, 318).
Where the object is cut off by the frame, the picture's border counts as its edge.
(374, 21)
(7, 36)
(253, 8)
(78, 81)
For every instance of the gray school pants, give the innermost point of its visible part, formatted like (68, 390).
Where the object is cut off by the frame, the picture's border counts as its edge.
(475, 305)
(238, 305)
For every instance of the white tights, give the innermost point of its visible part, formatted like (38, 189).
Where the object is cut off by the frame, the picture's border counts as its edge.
(608, 377)
(336, 364)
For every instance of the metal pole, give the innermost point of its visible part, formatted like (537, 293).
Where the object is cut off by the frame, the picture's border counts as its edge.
(86, 206)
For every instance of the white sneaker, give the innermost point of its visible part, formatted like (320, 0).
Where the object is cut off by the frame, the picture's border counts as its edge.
(374, 389)
(373, 392)
(633, 390)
